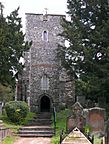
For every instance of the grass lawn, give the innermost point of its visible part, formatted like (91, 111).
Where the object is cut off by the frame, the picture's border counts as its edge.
(13, 127)
(60, 124)
(97, 140)
(9, 140)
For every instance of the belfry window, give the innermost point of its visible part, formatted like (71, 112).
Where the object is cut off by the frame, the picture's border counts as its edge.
(44, 83)
(45, 36)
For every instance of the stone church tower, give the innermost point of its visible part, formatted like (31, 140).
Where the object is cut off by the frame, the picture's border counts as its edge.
(44, 84)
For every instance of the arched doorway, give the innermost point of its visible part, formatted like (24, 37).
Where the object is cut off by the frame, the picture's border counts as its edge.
(45, 104)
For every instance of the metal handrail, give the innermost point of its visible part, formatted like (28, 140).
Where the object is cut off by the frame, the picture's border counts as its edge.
(54, 119)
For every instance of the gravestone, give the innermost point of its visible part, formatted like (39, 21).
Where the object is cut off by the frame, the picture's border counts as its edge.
(76, 119)
(81, 100)
(90, 103)
(107, 132)
(96, 118)
(76, 137)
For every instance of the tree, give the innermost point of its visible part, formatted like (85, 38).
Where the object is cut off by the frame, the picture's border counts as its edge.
(12, 46)
(87, 56)
(6, 93)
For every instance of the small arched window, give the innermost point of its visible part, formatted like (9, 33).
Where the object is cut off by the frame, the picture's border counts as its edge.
(45, 36)
(44, 83)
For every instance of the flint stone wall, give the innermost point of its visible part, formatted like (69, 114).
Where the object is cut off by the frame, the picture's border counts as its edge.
(42, 59)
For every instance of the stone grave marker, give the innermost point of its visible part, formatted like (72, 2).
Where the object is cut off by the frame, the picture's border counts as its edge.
(81, 100)
(76, 137)
(89, 103)
(107, 132)
(96, 118)
(76, 119)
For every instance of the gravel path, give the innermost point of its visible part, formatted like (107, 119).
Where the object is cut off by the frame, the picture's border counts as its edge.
(39, 140)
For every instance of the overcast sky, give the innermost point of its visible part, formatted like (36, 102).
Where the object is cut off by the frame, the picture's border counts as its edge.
(35, 6)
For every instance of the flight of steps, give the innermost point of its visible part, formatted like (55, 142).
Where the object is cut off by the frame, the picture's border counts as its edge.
(41, 119)
(40, 126)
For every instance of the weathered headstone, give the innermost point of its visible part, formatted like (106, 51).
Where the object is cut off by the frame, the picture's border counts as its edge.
(76, 119)
(76, 137)
(96, 118)
(89, 103)
(107, 132)
(81, 100)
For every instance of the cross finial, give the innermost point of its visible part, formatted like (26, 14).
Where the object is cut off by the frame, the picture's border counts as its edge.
(46, 9)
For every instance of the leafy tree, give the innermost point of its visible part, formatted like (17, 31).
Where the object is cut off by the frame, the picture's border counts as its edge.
(12, 46)
(87, 56)
(6, 93)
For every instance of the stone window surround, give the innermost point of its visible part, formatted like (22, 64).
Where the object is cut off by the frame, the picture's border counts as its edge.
(45, 35)
(44, 82)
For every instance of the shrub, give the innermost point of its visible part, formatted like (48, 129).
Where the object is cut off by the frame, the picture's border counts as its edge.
(16, 111)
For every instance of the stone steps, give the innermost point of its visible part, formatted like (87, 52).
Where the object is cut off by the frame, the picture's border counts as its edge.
(35, 128)
(35, 135)
(44, 115)
(43, 118)
(46, 131)
(40, 122)
(35, 132)
(40, 126)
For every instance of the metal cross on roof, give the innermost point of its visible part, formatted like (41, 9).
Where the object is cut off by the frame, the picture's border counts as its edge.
(46, 10)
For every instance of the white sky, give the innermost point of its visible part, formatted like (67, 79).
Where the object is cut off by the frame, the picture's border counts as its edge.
(35, 6)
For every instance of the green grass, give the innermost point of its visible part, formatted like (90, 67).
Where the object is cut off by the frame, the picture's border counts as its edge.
(9, 140)
(14, 127)
(60, 124)
(7, 123)
(97, 140)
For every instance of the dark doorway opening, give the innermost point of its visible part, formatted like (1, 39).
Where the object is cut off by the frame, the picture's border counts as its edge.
(45, 104)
